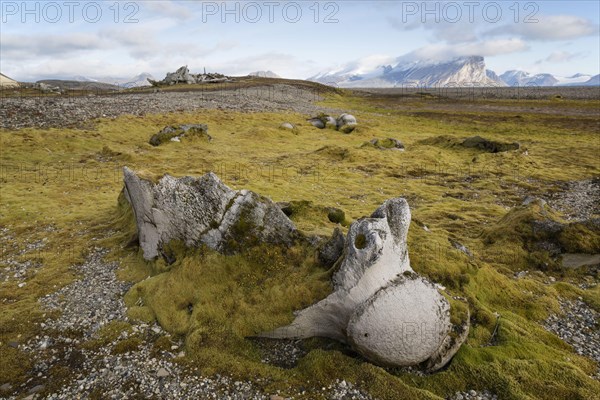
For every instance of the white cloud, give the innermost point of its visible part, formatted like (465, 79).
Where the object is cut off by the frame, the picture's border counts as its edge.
(484, 48)
(30, 46)
(562, 56)
(458, 32)
(550, 28)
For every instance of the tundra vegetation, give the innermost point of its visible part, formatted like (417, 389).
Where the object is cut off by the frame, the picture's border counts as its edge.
(62, 186)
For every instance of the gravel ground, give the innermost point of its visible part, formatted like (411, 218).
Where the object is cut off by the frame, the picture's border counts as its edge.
(579, 326)
(141, 371)
(579, 201)
(473, 395)
(79, 111)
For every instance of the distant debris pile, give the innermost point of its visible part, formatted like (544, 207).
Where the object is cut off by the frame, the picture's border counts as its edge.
(182, 75)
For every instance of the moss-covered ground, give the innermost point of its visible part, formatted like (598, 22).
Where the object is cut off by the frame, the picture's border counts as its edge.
(63, 185)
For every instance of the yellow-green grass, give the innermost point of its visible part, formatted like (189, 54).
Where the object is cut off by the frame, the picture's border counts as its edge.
(214, 302)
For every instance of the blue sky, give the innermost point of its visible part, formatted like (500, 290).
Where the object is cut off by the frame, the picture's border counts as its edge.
(296, 39)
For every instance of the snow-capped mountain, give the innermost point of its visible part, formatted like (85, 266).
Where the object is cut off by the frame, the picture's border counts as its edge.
(264, 74)
(522, 78)
(462, 71)
(385, 72)
(593, 81)
(137, 81)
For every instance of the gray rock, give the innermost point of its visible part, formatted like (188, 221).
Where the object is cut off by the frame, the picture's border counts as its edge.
(287, 125)
(532, 199)
(7, 387)
(317, 123)
(45, 88)
(183, 76)
(333, 249)
(371, 286)
(203, 211)
(162, 373)
(36, 389)
(460, 247)
(330, 122)
(346, 123)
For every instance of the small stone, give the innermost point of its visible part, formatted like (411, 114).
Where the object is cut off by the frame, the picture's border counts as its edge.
(7, 387)
(36, 389)
(162, 373)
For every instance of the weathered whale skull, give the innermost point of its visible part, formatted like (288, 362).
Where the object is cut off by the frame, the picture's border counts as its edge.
(379, 306)
(202, 211)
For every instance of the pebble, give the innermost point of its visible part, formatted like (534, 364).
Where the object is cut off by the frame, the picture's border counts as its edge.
(79, 111)
(578, 326)
(473, 395)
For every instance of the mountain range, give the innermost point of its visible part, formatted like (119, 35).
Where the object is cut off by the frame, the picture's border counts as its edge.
(137, 81)
(461, 71)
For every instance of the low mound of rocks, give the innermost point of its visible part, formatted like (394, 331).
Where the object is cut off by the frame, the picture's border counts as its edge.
(380, 306)
(175, 133)
(345, 123)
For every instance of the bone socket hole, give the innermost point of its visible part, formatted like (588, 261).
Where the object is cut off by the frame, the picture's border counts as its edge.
(360, 242)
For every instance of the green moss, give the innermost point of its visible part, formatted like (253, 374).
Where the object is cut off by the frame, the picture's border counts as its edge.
(336, 216)
(127, 345)
(579, 238)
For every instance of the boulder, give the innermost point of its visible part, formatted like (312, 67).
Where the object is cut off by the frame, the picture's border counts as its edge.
(174, 133)
(203, 211)
(488, 145)
(287, 125)
(332, 249)
(317, 122)
(379, 306)
(346, 123)
(183, 75)
(45, 88)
